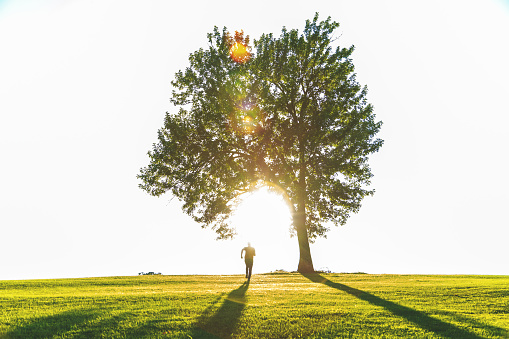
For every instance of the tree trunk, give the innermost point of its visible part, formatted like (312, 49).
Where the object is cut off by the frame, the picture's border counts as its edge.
(299, 221)
(299, 217)
(305, 261)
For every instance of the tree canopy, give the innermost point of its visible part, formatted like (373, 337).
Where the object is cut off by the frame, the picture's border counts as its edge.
(290, 116)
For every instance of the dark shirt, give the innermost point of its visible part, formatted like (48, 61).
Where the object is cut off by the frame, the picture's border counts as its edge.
(250, 252)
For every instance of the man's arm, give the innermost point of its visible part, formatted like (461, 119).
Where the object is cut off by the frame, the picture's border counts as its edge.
(241, 252)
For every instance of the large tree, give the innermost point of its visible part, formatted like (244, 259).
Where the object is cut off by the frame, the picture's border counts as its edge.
(291, 116)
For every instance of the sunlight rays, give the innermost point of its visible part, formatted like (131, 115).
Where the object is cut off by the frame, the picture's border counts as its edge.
(264, 219)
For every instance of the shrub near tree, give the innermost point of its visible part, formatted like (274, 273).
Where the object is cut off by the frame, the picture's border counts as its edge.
(290, 116)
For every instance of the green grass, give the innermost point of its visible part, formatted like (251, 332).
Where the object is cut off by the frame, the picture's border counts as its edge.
(283, 305)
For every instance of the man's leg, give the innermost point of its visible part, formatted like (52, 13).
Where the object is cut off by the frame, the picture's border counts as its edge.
(247, 270)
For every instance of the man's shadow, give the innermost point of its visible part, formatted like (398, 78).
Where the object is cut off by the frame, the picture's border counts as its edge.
(224, 321)
(420, 319)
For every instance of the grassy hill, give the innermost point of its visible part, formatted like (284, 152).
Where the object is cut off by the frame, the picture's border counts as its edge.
(283, 305)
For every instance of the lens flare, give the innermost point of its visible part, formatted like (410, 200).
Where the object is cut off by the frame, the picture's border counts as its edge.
(248, 119)
(249, 124)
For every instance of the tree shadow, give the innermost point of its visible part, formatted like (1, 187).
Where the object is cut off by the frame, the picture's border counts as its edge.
(224, 321)
(421, 319)
(494, 331)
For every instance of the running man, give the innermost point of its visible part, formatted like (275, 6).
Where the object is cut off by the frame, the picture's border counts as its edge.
(250, 253)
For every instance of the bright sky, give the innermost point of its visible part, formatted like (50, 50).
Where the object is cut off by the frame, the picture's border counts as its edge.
(84, 86)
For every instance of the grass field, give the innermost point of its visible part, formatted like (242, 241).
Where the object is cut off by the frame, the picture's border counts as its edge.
(282, 305)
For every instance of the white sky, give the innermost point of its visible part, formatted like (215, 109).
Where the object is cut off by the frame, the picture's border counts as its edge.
(84, 86)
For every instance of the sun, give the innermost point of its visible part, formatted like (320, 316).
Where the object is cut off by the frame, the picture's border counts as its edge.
(264, 219)
(239, 49)
(239, 52)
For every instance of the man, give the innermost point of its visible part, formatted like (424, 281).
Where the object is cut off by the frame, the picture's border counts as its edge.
(250, 253)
